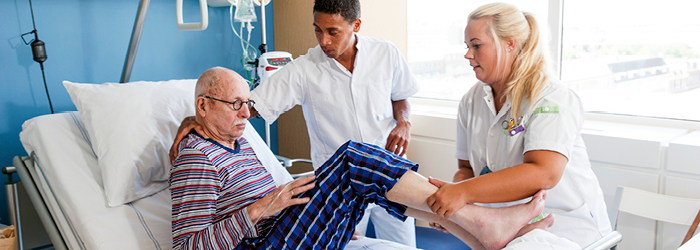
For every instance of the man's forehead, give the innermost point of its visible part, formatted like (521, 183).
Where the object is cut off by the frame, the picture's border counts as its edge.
(236, 89)
(329, 21)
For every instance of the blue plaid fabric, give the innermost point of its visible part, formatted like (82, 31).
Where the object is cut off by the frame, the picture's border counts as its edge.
(356, 175)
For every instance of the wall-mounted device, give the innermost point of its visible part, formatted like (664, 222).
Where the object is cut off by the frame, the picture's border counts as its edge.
(38, 51)
(271, 62)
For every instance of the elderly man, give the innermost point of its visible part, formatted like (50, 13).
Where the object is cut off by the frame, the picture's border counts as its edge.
(223, 198)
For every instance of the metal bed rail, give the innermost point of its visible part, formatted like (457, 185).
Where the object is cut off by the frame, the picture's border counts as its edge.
(21, 166)
(286, 163)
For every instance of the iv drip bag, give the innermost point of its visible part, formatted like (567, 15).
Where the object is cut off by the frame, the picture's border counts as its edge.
(245, 11)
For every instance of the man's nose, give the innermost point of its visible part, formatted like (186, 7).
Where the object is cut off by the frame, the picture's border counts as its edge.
(244, 112)
(325, 40)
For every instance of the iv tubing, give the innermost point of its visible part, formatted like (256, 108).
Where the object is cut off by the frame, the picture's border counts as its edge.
(245, 44)
(268, 206)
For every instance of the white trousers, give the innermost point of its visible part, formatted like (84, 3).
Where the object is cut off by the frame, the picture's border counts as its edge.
(387, 227)
(539, 239)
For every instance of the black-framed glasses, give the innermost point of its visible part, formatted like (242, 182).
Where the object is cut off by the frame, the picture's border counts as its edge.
(237, 104)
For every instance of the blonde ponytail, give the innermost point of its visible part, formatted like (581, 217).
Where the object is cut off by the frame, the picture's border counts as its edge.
(529, 73)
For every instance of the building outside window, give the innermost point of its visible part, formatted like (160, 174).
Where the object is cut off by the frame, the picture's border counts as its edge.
(633, 58)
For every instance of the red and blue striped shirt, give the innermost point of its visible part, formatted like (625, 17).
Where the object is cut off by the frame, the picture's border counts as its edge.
(211, 185)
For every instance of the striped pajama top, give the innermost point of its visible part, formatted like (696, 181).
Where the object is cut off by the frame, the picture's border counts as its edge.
(211, 185)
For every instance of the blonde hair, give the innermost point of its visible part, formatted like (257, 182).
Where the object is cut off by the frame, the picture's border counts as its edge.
(529, 73)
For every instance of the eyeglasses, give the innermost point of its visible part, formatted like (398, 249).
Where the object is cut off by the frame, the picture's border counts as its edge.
(236, 104)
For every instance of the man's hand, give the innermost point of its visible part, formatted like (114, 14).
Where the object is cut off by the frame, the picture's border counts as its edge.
(398, 139)
(438, 227)
(448, 199)
(400, 136)
(187, 125)
(356, 235)
(281, 198)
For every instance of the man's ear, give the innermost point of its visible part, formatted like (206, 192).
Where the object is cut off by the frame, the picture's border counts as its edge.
(356, 25)
(201, 106)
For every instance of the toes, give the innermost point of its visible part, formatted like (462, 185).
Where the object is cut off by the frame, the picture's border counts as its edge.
(542, 194)
(549, 220)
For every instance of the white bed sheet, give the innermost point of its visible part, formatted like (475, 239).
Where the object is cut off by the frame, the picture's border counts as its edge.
(66, 165)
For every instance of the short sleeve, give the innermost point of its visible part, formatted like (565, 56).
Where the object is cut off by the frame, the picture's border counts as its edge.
(404, 85)
(280, 92)
(463, 139)
(554, 122)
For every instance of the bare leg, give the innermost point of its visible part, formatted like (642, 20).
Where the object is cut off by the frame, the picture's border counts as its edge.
(493, 227)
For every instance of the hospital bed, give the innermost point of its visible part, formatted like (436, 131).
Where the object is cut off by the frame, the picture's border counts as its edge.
(62, 177)
(65, 186)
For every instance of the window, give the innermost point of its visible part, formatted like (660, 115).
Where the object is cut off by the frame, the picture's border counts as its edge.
(635, 58)
(622, 57)
(436, 44)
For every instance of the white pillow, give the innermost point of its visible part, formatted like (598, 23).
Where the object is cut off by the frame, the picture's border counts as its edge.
(132, 127)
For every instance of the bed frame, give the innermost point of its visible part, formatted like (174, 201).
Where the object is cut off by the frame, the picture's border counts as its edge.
(23, 166)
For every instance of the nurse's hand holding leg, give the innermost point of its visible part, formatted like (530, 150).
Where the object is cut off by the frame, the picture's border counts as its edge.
(493, 227)
(541, 169)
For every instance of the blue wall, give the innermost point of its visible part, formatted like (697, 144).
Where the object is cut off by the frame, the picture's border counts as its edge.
(87, 41)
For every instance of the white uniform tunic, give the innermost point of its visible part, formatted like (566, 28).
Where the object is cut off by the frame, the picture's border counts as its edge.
(338, 105)
(553, 123)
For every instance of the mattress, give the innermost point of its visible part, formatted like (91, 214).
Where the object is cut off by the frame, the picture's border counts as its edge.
(67, 175)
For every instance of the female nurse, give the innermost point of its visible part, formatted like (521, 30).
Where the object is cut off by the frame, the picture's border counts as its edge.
(519, 130)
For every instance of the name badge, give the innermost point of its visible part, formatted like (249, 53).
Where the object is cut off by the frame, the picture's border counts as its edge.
(516, 130)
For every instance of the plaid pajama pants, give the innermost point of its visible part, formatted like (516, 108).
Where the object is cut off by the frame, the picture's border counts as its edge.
(356, 175)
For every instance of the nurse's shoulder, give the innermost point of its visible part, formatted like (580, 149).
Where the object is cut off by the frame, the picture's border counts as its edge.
(556, 92)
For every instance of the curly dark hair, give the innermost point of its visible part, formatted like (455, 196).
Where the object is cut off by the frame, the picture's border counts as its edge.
(348, 9)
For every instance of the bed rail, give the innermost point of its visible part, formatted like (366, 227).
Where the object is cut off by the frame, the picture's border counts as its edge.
(22, 165)
(286, 162)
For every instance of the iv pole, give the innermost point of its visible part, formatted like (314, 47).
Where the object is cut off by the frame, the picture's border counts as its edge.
(263, 49)
(135, 38)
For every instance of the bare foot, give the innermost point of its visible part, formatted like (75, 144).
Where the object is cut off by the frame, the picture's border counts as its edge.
(543, 224)
(495, 227)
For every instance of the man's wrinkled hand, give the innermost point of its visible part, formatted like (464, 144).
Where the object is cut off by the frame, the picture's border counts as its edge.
(281, 198)
(398, 139)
